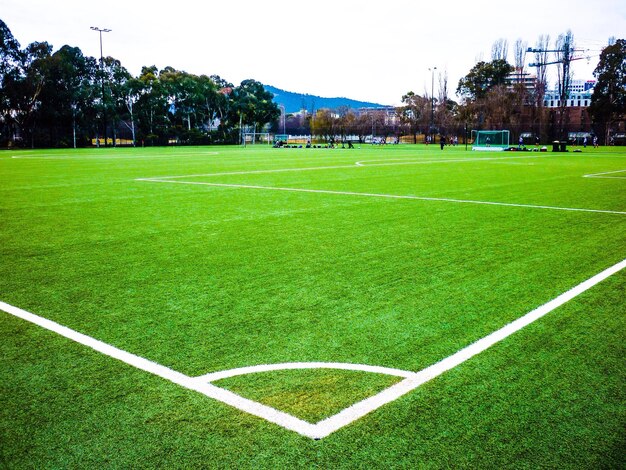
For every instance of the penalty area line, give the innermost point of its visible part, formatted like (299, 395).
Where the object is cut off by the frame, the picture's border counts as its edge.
(379, 195)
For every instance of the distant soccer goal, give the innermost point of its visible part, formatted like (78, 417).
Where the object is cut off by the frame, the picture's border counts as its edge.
(493, 141)
(251, 138)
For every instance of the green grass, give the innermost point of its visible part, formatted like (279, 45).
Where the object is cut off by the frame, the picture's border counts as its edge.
(201, 279)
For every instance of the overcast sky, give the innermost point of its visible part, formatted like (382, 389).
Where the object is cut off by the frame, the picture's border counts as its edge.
(361, 49)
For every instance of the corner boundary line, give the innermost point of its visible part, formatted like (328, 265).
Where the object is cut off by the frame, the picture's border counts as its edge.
(268, 413)
(343, 418)
(358, 410)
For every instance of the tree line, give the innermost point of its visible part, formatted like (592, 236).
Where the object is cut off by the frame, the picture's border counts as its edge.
(67, 99)
(494, 95)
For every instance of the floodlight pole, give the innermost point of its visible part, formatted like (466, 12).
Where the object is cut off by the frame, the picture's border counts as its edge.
(432, 104)
(104, 108)
(284, 116)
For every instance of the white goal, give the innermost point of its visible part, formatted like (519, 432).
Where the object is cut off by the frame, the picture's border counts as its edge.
(252, 138)
(490, 140)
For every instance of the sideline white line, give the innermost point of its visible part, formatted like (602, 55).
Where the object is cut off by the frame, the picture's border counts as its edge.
(601, 175)
(110, 157)
(388, 196)
(343, 418)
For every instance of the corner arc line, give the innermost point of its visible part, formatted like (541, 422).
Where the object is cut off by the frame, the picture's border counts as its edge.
(219, 375)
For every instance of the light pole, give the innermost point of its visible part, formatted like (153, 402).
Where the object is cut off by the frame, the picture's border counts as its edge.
(283, 115)
(104, 108)
(432, 103)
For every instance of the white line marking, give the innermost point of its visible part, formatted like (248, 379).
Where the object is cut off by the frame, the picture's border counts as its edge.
(358, 410)
(386, 160)
(343, 418)
(220, 394)
(388, 196)
(359, 164)
(601, 175)
(109, 157)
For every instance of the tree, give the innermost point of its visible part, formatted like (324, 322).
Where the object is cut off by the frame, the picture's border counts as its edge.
(151, 107)
(413, 113)
(538, 112)
(67, 96)
(608, 102)
(130, 93)
(10, 59)
(116, 78)
(24, 85)
(254, 104)
(323, 124)
(484, 89)
(483, 77)
(541, 59)
(564, 55)
(500, 50)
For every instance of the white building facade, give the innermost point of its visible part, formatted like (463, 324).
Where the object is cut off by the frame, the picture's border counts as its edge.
(579, 95)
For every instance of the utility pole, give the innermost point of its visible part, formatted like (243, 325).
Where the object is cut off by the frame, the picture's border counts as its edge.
(565, 55)
(104, 108)
(283, 115)
(432, 104)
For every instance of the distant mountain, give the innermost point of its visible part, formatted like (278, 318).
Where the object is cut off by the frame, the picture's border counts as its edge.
(294, 102)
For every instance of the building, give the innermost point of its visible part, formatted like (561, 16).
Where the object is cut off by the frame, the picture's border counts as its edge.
(579, 95)
(518, 76)
(389, 113)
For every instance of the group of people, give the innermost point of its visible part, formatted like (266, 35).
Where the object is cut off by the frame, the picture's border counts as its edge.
(595, 141)
(332, 144)
(443, 141)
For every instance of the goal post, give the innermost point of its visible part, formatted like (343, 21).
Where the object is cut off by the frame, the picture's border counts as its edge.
(252, 138)
(490, 140)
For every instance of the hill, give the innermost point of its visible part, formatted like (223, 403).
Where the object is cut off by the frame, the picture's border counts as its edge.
(294, 102)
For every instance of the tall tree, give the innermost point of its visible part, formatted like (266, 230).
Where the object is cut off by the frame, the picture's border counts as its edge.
(564, 55)
(324, 124)
(255, 105)
(608, 102)
(24, 86)
(414, 113)
(483, 77)
(10, 60)
(67, 95)
(483, 90)
(500, 50)
(541, 59)
(151, 107)
(115, 78)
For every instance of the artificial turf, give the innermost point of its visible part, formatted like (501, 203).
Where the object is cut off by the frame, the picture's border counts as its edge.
(204, 278)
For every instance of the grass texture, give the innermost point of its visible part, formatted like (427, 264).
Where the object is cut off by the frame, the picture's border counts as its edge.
(203, 278)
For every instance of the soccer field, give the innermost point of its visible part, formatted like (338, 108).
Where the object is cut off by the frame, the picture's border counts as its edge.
(377, 307)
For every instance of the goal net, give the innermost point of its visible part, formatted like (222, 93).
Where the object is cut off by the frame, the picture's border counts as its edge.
(251, 138)
(490, 140)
